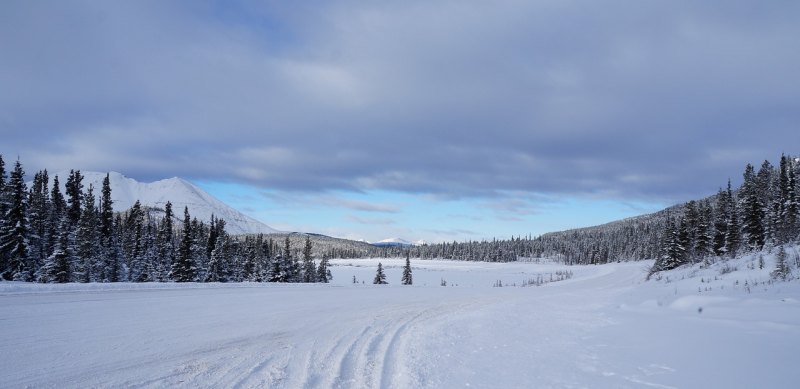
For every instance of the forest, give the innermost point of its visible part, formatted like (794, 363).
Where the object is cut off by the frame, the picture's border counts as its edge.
(77, 236)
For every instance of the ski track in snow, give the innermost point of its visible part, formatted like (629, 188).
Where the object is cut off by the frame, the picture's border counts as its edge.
(594, 330)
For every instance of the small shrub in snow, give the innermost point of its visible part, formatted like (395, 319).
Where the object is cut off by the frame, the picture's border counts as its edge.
(725, 269)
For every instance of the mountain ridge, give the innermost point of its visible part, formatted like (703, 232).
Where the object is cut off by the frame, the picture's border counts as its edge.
(125, 191)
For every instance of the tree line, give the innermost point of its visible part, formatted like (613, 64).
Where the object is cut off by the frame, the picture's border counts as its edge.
(76, 236)
(763, 211)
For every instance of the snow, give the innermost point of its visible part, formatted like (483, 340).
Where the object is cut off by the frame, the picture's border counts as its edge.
(398, 242)
(125, 191)
(393, 241)
(603, 328)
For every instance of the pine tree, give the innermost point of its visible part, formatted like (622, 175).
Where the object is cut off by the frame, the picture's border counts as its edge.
(184, 270)
(704, 236)
(3, 214)
(86, 241)
(380, 277)
(309, 269)
(132, 247)
(215, 272)
(323, 272)
(752, 210)
(58, 208)
(721, 223)
(407, 279)
(733, 237)
(782, 270)
(39, 218)
(111, 268)
(74, 189)
(165, 244)
(57, 267)
(14, 237)
(671, 250)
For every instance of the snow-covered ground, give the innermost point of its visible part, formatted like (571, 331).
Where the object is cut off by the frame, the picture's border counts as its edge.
(605, 327)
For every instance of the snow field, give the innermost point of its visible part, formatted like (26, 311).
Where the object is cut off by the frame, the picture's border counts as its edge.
(603, 328)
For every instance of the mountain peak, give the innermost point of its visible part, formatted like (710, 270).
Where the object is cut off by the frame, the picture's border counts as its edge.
(180, 192)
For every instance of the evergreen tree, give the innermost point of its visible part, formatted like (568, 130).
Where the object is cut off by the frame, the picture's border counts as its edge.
(39, 218)
(132, 247)
(309, 270)
(86, 242)
(74, 190)
(733, 238)
(704, 237)
(323, 272)
(14, 237)
(215, 272)
(752, 210)
(57, 267)
(165, 244)
(380, 277)
(692, 219)
(111, 268)
(58, 208)
(782, 270)
(721, 223)
(407, 279)
(766, 191)
(184, 269)
(4, 227)
(672, 251)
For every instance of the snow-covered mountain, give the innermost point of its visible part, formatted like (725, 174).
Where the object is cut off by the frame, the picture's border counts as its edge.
(125, 191)
(395, 242)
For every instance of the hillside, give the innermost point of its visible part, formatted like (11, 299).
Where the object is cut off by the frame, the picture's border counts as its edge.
(182, 193)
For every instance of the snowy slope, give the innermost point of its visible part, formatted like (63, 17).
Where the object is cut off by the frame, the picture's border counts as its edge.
(125, 191)
(604, 328)
(392, 242)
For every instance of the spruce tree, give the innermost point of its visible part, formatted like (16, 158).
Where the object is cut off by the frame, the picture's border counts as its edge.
(3, 214)
(74, 190)
(323, 272)
(704, 237)
(165, 244)
(733, 237)
(14, 237)
(184, 270)
(39, 218)
(380, 277)
(407, 279)
(86, 242)
(58, 208)
(215, 271)
(782, 270)
(309, 269)
(752, 210)
(722, 216)
(57, 267)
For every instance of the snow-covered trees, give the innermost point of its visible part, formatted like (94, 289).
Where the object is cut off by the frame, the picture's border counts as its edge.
(380, 276)
(185, 269)
(143, 244)
(407, 279)
(309, 269)
(15, 234)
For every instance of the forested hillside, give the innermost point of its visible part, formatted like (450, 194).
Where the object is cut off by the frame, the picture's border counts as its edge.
(762, 211)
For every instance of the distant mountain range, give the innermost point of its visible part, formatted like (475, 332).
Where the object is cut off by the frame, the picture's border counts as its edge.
(125, 191)
(397, 242)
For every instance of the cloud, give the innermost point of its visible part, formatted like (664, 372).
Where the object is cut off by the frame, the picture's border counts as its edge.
(451, 99)
(332, 200)
(370, 221)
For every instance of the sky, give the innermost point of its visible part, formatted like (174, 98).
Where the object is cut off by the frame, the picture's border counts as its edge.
(432, 120)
